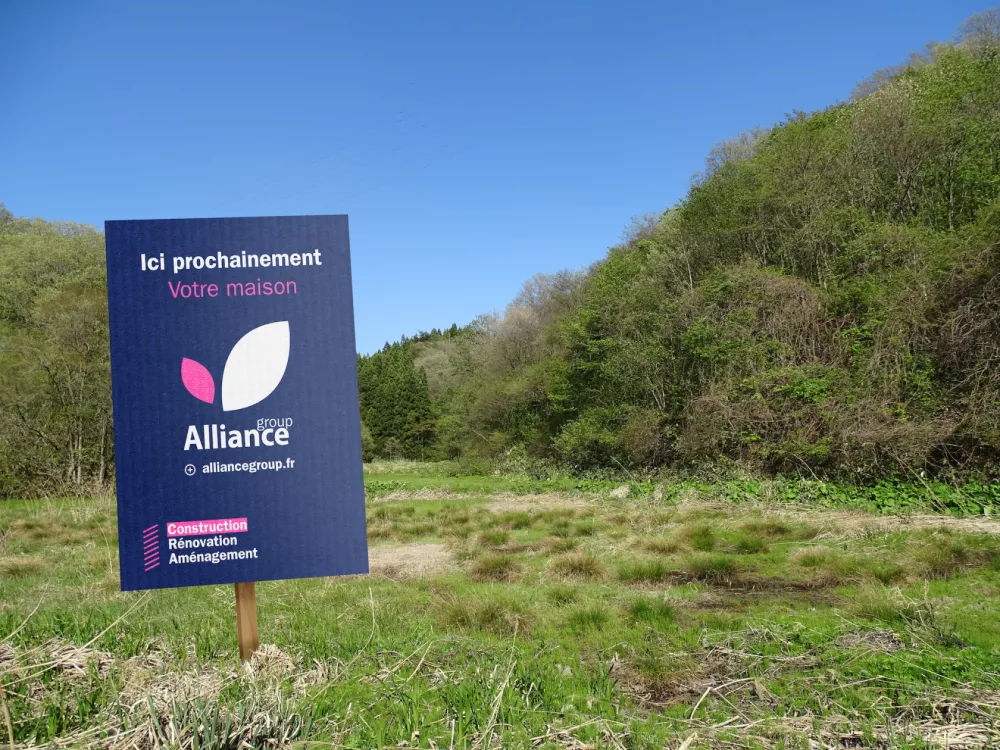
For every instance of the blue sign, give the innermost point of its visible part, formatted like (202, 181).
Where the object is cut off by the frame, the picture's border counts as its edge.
(234, 378)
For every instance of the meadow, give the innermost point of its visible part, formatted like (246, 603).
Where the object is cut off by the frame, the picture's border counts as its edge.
(512, 612)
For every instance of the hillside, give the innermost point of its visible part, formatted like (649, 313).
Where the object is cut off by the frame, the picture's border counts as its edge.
(825, 301)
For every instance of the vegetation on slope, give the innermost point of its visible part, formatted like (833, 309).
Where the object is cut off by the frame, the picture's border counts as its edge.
(55, 376)
(823, 302)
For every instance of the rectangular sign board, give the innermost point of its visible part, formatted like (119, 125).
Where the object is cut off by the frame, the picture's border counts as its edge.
(234, 379)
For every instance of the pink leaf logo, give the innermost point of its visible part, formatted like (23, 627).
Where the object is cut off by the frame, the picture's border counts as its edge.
(198, 380)
(254, 368)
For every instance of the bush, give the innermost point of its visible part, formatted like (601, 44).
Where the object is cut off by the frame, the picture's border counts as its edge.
(589, 440)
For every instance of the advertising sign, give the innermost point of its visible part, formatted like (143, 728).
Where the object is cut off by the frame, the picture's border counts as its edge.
(234, 378)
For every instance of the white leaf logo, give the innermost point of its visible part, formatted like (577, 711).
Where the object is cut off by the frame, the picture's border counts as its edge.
(255, 366)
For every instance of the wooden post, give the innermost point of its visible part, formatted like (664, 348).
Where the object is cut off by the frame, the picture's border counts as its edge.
(246, 620)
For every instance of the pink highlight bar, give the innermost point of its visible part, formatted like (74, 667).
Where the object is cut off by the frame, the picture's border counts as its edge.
(151, 548)
(214, 526)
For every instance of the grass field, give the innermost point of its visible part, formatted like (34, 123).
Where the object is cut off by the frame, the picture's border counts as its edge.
(501, 614)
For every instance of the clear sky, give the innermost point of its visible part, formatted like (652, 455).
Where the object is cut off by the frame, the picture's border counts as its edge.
(473, 144)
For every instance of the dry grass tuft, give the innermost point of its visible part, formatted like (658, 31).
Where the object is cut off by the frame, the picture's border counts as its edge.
(78, 661)
(495, 568)
(661, 545)
(882, 640)
(165, 690)
(21, 566)
(579, 564)
(270, 662)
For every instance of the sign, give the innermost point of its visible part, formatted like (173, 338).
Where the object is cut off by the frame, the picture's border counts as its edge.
(234, 378)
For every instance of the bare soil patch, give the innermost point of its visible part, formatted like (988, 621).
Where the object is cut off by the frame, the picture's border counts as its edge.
(425, 493)
(416, 560)
(544, 501)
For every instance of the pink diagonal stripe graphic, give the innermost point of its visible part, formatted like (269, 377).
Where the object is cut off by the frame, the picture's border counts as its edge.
(151, 567)
(151, 528)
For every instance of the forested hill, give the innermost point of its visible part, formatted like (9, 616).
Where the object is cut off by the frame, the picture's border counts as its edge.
(825, 300)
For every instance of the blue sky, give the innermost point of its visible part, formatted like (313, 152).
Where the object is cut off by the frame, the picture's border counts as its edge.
(472, 144)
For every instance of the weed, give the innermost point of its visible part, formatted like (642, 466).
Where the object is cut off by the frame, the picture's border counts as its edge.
(860, 568)
(701, 536)
(653, 612)
(561, 527)
(515, 520)
(590, 618)
(561, 595)
(558, 545)
(660, 544)
(814, 557)
(774, 528)
(749, 544)
(717, 569)
(946, 554)
(892, 608)
(579, 564)
(493, 538)
(495, 568)
(498, 615)
(21, 567)
(643, 571)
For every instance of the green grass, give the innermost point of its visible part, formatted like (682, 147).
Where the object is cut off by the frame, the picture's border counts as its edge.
(719, 569)
(579, 564)
(606, 618)
(644, 571)
(657, 614)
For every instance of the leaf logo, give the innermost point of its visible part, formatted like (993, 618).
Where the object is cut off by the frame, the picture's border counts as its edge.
(253, 369)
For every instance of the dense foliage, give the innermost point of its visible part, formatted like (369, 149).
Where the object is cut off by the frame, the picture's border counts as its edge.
(55, 383)
(396, 404)
(826, 300)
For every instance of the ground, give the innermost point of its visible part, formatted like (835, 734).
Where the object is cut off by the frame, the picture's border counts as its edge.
(504, 613)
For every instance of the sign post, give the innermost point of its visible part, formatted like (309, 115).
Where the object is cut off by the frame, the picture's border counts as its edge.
(246, 620)
(234, 379)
